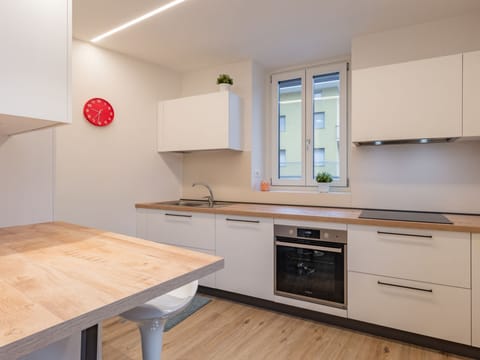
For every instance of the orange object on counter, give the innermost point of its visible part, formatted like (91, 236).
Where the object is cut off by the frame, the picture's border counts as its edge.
(264, 186)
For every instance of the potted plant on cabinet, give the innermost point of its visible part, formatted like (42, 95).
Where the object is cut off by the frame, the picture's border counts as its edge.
(323, 179)
(224, 81)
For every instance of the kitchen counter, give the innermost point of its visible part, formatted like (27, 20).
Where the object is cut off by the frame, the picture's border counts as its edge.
(463, 223)
(57, 279)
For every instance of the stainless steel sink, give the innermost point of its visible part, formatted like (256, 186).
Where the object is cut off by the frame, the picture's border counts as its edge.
(195, 203)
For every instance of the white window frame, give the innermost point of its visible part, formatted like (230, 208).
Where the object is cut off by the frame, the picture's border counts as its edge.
(341, 68)
(276, 129)
(306, 76)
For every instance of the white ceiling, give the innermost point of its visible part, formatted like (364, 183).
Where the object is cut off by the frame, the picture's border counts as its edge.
(275, 33)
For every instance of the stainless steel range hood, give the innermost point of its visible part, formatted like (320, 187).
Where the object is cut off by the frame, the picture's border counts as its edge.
(405, 141)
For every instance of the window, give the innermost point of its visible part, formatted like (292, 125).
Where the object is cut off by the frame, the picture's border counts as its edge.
(314, 101)
(282, 120)
(318, 159)
(282, 156)
(319, 120)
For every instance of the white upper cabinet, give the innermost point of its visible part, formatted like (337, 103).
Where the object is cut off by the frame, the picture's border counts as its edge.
(412, 100)
(471, 94)
(35, 64)
(204, 122)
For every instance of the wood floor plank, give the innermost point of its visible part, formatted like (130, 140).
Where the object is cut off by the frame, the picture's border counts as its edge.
(226, 330)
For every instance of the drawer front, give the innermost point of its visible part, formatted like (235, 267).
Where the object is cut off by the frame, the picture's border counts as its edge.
(195, 230)
(443, 313)
(438, 257)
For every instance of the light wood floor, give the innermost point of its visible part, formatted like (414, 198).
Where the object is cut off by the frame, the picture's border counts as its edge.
(225, 330)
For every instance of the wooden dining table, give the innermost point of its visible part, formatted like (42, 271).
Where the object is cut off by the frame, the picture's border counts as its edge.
(59, 280)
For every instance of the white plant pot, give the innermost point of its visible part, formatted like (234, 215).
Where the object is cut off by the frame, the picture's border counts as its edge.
(323, 187)
(224, 87)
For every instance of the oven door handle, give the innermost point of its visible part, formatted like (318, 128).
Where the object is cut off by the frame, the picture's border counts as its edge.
(310, 247)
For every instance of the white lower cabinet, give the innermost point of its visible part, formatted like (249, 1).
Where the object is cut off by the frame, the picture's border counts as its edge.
(423, 308)
(414, 254)
(476, 290)
(208, 280)
(411, 279)
(189, 230)
(181, 228)
(246, 243)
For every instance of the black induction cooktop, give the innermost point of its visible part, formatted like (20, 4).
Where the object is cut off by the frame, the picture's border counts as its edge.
(405, 216)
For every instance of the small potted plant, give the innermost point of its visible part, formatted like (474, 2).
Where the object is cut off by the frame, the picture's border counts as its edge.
(323, 179)
(224, 81)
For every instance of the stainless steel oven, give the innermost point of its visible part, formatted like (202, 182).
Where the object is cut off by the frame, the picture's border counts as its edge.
(310, 264)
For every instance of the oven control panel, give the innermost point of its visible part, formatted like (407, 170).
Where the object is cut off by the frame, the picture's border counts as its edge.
(338, 236)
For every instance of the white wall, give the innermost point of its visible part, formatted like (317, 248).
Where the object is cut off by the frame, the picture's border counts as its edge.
(102, 172)
(432, 177)
(26, 178)
(225, 171)
(232, 174)
(438, 38)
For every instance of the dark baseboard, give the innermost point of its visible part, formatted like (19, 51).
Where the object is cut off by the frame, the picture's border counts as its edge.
(377, 330)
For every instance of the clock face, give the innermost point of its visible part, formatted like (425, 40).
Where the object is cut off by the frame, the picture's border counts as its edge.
(98, 112)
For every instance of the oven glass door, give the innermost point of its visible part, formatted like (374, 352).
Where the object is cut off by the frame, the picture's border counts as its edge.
(314, 271)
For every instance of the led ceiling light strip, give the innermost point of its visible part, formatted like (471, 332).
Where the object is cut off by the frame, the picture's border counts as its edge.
(137, 20)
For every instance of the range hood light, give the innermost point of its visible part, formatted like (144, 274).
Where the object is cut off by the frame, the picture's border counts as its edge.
(405, 141)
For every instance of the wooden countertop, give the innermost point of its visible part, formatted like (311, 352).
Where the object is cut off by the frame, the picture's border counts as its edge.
(463, 223)
(57, 279)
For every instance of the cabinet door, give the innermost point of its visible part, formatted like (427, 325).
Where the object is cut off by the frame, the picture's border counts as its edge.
(203, 122)
(476, 290)
(157, 226)
(247, 245)
(35, 61)
(180, 228)
(412, 100)
(471, 94)
(428, 309)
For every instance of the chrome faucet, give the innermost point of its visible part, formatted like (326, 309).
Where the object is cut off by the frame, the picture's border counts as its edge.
(210, 198)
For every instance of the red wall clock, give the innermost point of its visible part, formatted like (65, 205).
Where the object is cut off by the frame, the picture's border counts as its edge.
(98, 112)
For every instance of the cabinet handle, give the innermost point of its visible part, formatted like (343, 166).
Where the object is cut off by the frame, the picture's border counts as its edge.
(408, 235)
(245, 221)
(404, 287)
(178, 215)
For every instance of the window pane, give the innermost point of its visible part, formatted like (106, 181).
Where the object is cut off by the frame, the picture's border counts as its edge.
(290, 133)
(319, 120)
(282, 123)
(282, 156)
(326, 123)
(319, 157)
